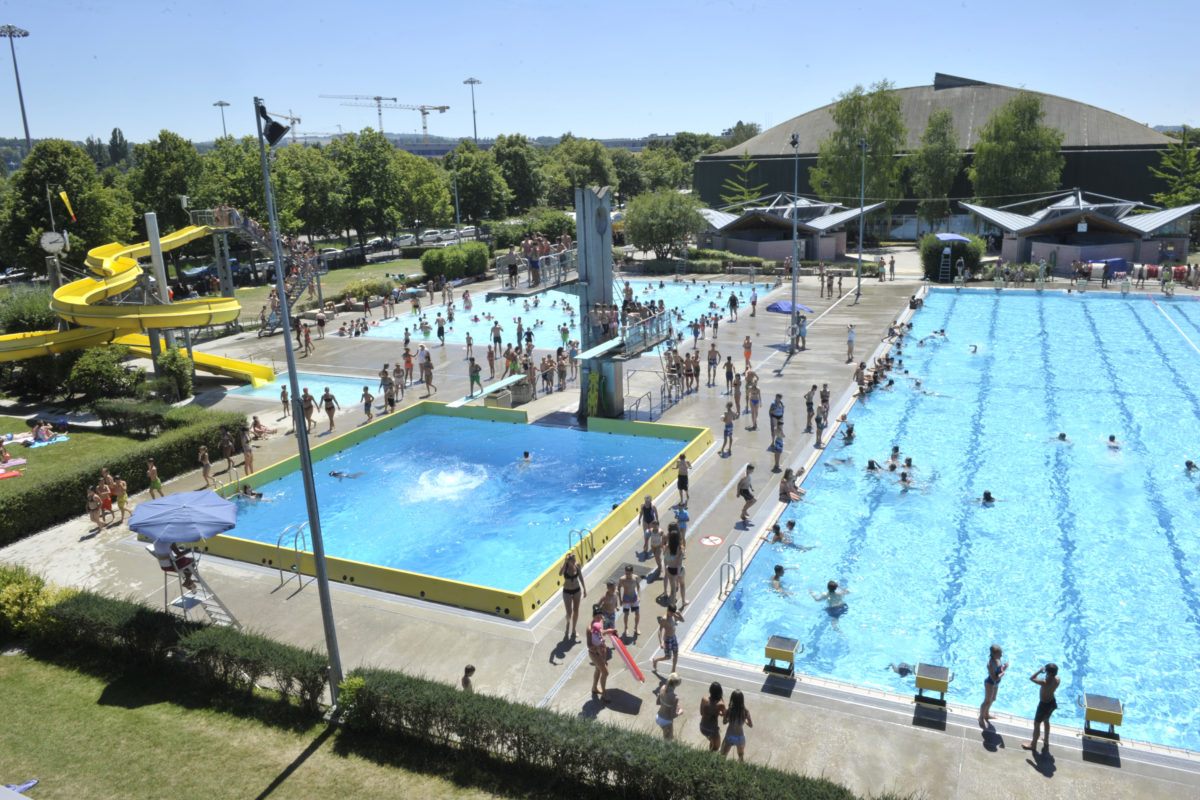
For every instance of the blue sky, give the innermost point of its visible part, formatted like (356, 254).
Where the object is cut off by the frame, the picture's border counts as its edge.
(597, 69)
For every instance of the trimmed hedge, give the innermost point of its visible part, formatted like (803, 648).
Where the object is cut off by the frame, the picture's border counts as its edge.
(53, 498)
(455, 261)
(564, 750)
(701, 254)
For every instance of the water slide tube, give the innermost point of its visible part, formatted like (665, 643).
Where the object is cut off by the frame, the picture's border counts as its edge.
(117, 271)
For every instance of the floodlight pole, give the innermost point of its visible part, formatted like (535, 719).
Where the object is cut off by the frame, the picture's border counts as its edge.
(473, 82)
(12, 32)
(862, 203)
(306, 473)
(792, 331)
(221, 104)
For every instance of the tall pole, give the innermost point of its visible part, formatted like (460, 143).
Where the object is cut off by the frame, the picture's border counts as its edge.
(792, 331)
(862, 203)
(473, 83)
(221, 104)
(13, 32)
(457, 217)
(310, 488)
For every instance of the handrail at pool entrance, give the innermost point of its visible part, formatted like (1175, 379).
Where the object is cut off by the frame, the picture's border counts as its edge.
(299, 544)
(632, 409)
(741, 562)
(584, 542)
(647, 333)
(731, 569)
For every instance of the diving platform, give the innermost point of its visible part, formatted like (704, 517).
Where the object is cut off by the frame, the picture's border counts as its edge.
(554, 270)
(634, 340)
(490, 389)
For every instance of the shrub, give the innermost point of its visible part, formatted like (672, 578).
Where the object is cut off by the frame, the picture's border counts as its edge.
(477, 256)
(56, 496)
(43, 377)
(238, 661)
(454, 263)
(24, 601)
(99, 373)
(176, 367)
(27, 310)
(931, 254)
(433, 262)
(364, 288)
(129, 416)
(700, 254)
(120, 630)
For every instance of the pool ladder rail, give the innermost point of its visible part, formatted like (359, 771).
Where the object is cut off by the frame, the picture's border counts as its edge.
(579, 540)
(730, 571)
(299, 545)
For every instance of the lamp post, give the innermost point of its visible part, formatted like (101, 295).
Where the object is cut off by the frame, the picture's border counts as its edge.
(275, 131)
(795, 242)
(473, 82)
(221, 104)
(862, 203)
(13, 32)
(457, 217)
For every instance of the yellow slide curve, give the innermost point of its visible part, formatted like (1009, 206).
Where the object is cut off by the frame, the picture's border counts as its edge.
(118, 271)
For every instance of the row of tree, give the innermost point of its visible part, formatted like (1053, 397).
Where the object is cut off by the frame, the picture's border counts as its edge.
(360, 182)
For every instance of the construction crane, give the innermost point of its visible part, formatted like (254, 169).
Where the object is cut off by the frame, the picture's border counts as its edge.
(424, 114)
(375, 100)
(320, 134)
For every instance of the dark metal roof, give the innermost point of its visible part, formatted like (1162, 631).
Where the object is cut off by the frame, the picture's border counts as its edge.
(1106, 213)
(971, 102)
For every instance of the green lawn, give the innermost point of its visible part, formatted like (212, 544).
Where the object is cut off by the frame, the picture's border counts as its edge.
(50, 459)
(87, 737)
(334, 282)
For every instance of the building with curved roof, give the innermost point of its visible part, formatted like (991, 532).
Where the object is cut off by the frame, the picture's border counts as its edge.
(1104, 152)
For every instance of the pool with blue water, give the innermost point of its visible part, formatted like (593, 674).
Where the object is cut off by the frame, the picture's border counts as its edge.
(347, 390)
(1091, 557)
(548, 316)
(455, 498)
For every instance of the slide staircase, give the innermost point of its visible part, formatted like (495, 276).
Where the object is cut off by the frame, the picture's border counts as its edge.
(116, 270)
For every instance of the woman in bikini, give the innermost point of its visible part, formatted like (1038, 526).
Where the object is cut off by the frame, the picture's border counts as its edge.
(737, 719)
(572, 585)
(673, 560)
(205, 466)
(712, 709)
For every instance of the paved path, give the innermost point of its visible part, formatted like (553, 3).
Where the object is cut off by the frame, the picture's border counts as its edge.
(866, 740)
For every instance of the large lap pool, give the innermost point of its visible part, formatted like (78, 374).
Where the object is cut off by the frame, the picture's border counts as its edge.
(1089, 559)
(454, 498)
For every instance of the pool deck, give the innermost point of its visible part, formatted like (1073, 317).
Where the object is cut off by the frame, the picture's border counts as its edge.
(871, 741)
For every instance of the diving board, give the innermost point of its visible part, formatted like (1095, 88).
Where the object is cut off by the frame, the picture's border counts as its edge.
(601, 349)
(495, 387)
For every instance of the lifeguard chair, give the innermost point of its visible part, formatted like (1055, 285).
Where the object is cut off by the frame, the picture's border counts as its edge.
(1104, 710)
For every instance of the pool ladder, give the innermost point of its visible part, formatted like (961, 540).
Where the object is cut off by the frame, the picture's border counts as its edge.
(581, 538)
(235, 482)
(730, 571)
(299, 545)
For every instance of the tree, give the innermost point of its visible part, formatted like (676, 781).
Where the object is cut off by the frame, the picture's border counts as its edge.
(372, 182)
(312, 190)
(935, 166)
(482, 191)
(163, 169)
(97, 151)
(740, 132)
(424, 197)
(664, 170)
(740, 192)
(860, 114)
(231, 174)
(1180, 168)
(520, 164)
(628, 168)
(103, 214)
(575, 163)
(662, 221)
(118, 148)
(1016, 154)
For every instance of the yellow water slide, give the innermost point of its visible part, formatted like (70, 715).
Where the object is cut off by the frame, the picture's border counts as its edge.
(117, 269)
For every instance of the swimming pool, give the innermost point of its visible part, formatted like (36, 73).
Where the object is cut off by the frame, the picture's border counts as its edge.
(690, 299)
(1091, 557)
(347, 390)
(455, 499)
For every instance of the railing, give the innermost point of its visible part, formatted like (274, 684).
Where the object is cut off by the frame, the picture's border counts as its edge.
(583, 541)
(646, 333)
(632, 410)
(730, 573)
(299, 544)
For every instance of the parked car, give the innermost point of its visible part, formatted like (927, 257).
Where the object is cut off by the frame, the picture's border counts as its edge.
(430, 236)
(404, 240)
(378, 243)
(469, 232)
(450, 235)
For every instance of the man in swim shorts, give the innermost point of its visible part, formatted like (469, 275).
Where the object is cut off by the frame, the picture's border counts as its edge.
(1046, 705)
(681, 481)
(155, 481)
(628, 589)
(746, 491)
(667, 639)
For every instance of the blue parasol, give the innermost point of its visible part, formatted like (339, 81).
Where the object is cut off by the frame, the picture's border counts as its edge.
(184, 517)
(952, 237)
(785, 307)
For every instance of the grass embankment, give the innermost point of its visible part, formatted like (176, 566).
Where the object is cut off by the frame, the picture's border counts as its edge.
(52, 459)
(85, 737)
(333, 283)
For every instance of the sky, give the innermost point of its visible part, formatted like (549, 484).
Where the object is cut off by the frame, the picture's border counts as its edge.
(600, 70)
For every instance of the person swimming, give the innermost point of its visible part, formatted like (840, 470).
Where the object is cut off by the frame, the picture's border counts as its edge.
(872, 465)
(249, 493)
(1113, 444)
(340, 475)
(903, 669)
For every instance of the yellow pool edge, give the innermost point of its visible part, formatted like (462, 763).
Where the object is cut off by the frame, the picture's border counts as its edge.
(518, 606)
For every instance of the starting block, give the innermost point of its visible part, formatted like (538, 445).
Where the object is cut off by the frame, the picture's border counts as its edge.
(781, 648)
(1105, 710)
(1124, 287)
(933, 678)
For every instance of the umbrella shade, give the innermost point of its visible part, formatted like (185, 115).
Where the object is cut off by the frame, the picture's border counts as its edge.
(184, 517)
(785, 307)
(951, 237)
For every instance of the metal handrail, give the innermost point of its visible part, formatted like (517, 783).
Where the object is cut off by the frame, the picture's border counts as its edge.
(631, 411)
(583, 540)
(299, 539)
(727, 584)
(741, 562)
